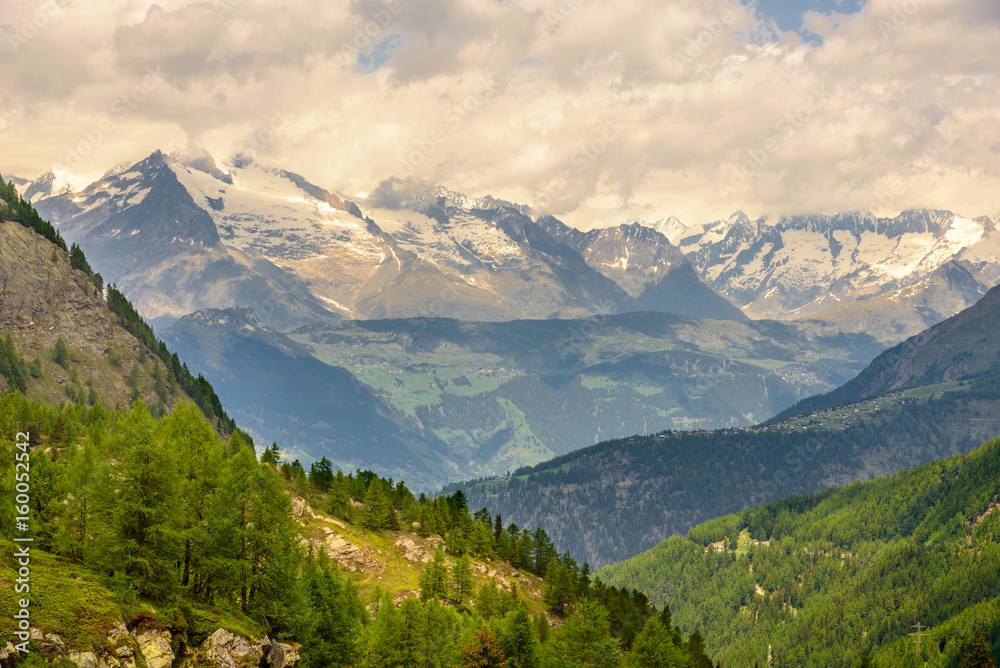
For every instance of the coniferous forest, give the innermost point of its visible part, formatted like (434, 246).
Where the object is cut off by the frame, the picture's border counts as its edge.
(175, 521)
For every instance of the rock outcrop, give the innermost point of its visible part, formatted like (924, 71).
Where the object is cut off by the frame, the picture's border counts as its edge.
(226, 650)
(280, 655)
(155, 649)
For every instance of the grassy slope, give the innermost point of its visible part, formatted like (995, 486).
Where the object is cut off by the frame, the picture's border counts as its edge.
(383, 564)
(72, 600)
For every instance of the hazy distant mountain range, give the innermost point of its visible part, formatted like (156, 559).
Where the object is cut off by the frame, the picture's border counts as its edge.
(471, 336)
(183, 233)
(266, 237)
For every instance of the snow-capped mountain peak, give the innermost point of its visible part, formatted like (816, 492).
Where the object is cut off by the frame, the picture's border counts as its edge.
(797, 265)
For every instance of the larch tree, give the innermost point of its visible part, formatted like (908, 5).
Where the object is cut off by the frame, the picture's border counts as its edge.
(138, 507)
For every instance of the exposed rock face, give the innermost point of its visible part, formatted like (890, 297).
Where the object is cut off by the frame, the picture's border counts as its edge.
(413, 551)
(83, 659)
(341, 550)
(50, 644)
(156, 649)
(228, 651)
(300, 508)
(280, 655)
(9, 656)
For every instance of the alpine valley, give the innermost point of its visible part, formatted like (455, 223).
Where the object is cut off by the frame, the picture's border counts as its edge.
(484, 337)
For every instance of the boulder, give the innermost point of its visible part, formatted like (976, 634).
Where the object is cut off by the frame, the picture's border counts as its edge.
(300, 508)
(413, 551)
(280, 655)
(155, 648)
(225, 650)
(9, 656)
(83, 659)
(339, 547)
(117, 632)
(51, 644)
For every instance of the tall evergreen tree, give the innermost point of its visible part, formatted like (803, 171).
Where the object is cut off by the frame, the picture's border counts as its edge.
(377, 507)
(484, 651)
(197, 452)
(434, 578)
(979, 657)
(653, 647)
(386, 638)
(138, 507)
(74, 535)
(584, 640)
(331, 626)
(517, 638)
(60, 354)
(461, 578)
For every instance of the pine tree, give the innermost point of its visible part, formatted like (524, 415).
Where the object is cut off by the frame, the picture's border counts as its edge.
(653, 647)
(695, 648)
(544, 552)
(138, 507)
(560, 586)
(387, 646)
(392, 518)
(36, 368)
(584, 640)
(230, 529)
(426, 520)
(461, 578)
(275, 550)
(377, 507)
(271, 455)
(330, 628)
(47, 488)
(340, 497)
(12, 366)
(979, 657)
(434, 578)
(497, 528)
(484, 651)
(74, 535)
(60, 354)
(197, 452)
(517, 638)
(542, 628)
(486, 600)
(321, 474)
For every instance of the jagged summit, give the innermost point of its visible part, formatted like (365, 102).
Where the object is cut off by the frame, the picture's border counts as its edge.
(492, 259)
(792, 266)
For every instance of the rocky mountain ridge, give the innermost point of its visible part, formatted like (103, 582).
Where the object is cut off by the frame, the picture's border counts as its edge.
(799, 266)
(311, 254)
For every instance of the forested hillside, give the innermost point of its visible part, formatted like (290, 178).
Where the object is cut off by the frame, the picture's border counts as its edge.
(828, 578)
(965, 343)
(162, 523)
(613, 500)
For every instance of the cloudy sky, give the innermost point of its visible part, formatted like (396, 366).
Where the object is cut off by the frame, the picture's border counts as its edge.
(594, 110)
